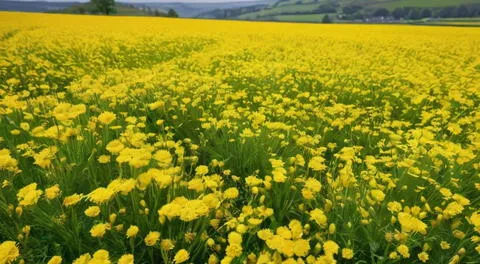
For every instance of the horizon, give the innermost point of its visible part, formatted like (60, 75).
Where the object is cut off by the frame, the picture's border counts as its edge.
(148, 1)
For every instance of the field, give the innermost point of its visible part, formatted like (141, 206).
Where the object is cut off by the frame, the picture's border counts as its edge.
(461, 22)
(313, 11)
(153, 140)
(422, 3)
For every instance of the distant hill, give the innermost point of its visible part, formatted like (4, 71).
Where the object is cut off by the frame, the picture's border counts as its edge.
(121, 9)
(195, 9)
(34, 6)
(351, 10)
(186, 9)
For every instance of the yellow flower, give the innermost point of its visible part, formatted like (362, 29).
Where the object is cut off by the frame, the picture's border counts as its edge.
(163, 157)
(167, 244)
(313, 185)
(52, 192)
(72, 199)
(152, 238)
(410, 223)
(25, 126)
(403, 250)
(265, 234)
(423, 257)
(393, 255)
(104, 159)
(347, 253)
(233, 250)
(126, 259)
(181, 256)
(29, 195)
(92, 211)
(330, 248)
(66, 111)
(201, 170)
(115, 146)
(7, 162)
(234, 238)
(101, 257)
(100, 195)
(279, 174)
(132, 231)
(394, 206)
(55, 260)
(107, 117)
(454, 260)
(231, 193)
(99, 230)
(319, 217)
(453, 208)
(445, 192)
(332, 228)
(317, 163)
(444, 245)
(458, 234)
(301, 247)
(378, 195)
(8, 252)
(196, 185)
(83, 259)
(44, 158)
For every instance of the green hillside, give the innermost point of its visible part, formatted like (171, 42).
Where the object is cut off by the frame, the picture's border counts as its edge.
(420, 3)
(121, 9)
(360, 10)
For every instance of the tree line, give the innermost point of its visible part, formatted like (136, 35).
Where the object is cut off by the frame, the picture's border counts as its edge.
(413, 13)
(107, 7)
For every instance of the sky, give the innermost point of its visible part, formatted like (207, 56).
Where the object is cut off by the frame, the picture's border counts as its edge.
(155, 1)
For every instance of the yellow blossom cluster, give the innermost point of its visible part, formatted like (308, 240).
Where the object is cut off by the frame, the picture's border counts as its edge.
(152, 140)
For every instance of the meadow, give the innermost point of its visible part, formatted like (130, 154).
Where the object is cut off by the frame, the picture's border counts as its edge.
(153, 140)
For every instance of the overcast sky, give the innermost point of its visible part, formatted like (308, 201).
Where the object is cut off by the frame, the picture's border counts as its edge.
(144, 1)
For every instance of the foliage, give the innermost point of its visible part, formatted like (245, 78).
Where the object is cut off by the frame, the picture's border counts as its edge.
(354, 10)
(326, 19)
(104, 6)
(196, 141)
(172, 13)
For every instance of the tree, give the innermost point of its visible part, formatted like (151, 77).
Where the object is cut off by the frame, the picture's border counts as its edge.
(381, 12)
(462, 11)
(398, 13)
(448, 11)
(172, 13)
(325, 8)
(326, 19)
(426, 13)
(414, 14)
(351, 9)
(104, 6)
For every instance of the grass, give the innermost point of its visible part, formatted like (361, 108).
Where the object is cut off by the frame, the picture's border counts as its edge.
(422, 3)
(153, 140)
(302, 18)
(280, 11)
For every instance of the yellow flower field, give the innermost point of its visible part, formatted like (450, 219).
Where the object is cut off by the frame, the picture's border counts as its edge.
(151, 140)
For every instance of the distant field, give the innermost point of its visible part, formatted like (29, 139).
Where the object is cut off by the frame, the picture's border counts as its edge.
(283, 9)
(280, 10)
(302, 18)
(120, 10)
(470, 22)
(421, 3)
